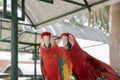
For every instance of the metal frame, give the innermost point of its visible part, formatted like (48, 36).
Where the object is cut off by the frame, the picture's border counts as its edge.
(48, 1)
(87, 5)
(5, 12)
(14, 40)
(84, 6)
(0, 26)
(80, 4)
(35, 57)
(25, 13)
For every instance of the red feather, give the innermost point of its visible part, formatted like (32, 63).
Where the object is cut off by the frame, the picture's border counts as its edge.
(86, 67)
(50, 60)
(65, 34)
(50, 67)
(50, 63)
(45, 33)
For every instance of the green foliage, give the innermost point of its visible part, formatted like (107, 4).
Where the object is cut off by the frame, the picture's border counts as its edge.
(96, 18)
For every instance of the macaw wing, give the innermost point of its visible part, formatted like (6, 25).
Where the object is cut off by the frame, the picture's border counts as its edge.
(103, 67)
(42, 68)
(41, 63)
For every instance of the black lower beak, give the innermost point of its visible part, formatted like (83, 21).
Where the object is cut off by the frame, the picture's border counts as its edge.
(47, 47)
(69, 45)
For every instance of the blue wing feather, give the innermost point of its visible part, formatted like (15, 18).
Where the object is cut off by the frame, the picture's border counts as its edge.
(41, 65)
(60, 64)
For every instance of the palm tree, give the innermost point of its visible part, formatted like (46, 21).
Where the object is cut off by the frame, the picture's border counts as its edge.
(97, 18)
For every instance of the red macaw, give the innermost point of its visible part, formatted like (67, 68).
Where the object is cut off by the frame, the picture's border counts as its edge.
(54, 59)
(86, 67)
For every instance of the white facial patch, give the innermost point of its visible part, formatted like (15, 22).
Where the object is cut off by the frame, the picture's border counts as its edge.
(64, 40)
(45, 41)
(41, 42)
(67, 40)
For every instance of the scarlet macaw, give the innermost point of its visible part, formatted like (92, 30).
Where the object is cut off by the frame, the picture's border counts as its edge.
(86, 67)
(55, 64)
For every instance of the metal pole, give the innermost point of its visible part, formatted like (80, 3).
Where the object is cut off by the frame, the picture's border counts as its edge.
(0, 26)
(14, 41)
(35, 57)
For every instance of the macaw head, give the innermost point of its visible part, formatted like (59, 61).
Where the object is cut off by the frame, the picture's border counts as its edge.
(68, 40)
(47, 40)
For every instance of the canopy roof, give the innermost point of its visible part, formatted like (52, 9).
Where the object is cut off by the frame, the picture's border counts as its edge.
(41, 13)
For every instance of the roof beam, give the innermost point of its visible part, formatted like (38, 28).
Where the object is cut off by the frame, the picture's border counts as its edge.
(74, 2)
(28, 51)
(59, 16)
(24, 43)
(48, 1)
(24, 47)
(99, 2)
(19, 34)
(4, 20)
(80, 4)
(87, 5)
(69, 13)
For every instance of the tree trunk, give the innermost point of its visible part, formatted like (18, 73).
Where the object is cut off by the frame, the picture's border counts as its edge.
(115, 35)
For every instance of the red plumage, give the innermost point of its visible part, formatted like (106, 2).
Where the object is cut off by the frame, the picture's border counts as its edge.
(50, 63)
(49, 59)
(86, 67)
(50, 56)
(45, 33)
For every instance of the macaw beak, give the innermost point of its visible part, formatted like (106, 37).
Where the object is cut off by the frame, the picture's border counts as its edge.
(47, 46)
(69, 45)
(46, 42)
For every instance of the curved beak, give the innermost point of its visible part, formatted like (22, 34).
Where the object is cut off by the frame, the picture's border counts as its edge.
(46, 42)
(47, 46)
(69, 45)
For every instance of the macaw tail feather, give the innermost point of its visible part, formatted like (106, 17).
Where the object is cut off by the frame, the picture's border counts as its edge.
(64, 69)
